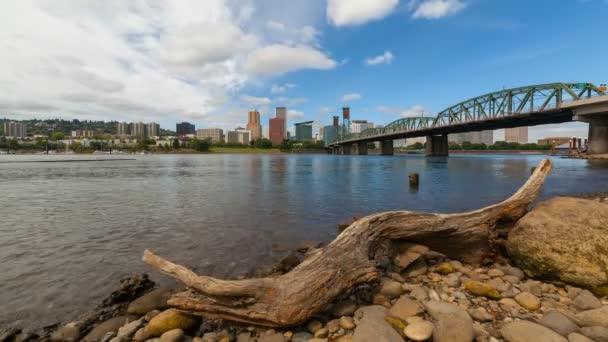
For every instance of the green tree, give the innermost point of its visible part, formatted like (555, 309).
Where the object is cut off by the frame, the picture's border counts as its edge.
(176, 144)
(262, 143)
(199, 145)
(13, 144)
(286, 145)
(57, 136)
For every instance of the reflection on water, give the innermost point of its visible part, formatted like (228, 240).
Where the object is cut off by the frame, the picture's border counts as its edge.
(69, 231)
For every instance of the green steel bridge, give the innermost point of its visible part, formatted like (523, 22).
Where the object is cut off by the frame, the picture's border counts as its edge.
(524, 106)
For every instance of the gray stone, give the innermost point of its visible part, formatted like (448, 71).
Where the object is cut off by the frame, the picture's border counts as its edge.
(576, 337)
(595, 317)
(391, 289)
(559, 323)
(453, 324)
(276, 337)
(111, 325)
(419, 331)
(344, 308)
(511, 279)
(525, 331)
(586, 301)
(406, 307)
(480, 314)
(566, 238)
(128, 330)
(598, 334)
(175, 335)
(452, 281)
(301, 336)
(153, 300)
(373, 327)
(68, 332)
(419, 293)
(512, 271)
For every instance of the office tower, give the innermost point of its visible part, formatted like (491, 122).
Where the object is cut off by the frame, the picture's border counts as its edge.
(239, 135)
(358, 126)
(254, 125)
(15, 130)
(184, 128)
(138, 130)
(276, 131)
(304, 131)
(123, 129)
(216, 135)
(517, 134)
(330, 133)
(281, 113)
(153, 129)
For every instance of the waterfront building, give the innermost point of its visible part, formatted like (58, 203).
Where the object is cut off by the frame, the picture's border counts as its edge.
(239, 135)
(138, 130)
(358, 126)
(554, 141)
(216, 135)
(281, 113)
(276, 130)
(123, 129)
(304, 131)
(152, 129)
(517, 134)
(184, 128)
(482, 137)
(254, 125)
(330, 133)
(15, 130)
(81, 133)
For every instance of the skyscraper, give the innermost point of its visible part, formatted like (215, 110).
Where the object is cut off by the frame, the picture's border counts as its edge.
(15, 129)
(152, 129)
(254, 125)
(517, 134)
(184, 128)
(123, 129)
(281, 113)
(304, 131)
(276, 127)
(138, 130)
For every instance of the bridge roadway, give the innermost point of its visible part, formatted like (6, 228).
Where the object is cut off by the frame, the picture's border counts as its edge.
(526, 106)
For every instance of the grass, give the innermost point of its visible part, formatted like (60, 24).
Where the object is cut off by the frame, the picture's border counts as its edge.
(243, 150)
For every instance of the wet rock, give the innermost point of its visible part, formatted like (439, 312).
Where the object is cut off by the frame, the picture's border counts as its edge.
(153, 300)
(68, 332)
(175, 335)
(347, 323)
(373, 327)
(344, 308)
(586, 301)
(130, 288)
(528, 301)
(406, 307)
(598, 334)
(453, 324)
(555, 240)
(481, 289)
(289, 262)
(590, 318)
(576, 337)
(111, 325)
(525, 331)
(559, 323)
(171, 319)
(128, 330)
(419, 331)
(391, 289)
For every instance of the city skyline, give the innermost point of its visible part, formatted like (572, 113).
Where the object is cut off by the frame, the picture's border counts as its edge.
(314, 63)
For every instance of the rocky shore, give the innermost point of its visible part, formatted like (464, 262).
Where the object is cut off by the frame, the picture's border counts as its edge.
(558, 293)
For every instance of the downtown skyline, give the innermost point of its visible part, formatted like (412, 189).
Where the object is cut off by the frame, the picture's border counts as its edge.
(383, 59)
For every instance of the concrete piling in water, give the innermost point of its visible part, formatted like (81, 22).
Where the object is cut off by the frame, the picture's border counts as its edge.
(414, 180)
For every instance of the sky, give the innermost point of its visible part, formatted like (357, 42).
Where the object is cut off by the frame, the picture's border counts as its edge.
(209, 62)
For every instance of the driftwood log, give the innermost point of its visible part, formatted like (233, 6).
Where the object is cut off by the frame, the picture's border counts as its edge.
(292, 298)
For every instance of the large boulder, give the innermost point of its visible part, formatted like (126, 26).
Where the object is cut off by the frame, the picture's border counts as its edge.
(373, 327)
(564, 239)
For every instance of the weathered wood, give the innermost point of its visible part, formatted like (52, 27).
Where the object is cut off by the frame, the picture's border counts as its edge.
(294, 297)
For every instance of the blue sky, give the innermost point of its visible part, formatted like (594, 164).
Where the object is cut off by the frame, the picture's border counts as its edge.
(209, 62)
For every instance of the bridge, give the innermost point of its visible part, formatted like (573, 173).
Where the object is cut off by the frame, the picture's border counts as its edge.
(525, 106)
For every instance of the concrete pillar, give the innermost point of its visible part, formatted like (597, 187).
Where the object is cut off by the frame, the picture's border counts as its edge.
(437, 146)
(362, 148)
(346, 149)
(598, 137)
(386, 148)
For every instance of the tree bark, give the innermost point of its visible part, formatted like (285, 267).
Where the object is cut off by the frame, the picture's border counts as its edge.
(292, 298)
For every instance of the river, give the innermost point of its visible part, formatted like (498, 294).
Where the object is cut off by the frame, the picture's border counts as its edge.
(70, 231)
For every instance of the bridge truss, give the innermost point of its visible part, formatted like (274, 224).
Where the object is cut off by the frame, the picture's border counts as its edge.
(492, 106)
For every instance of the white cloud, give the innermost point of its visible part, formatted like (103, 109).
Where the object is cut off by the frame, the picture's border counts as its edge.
(278, 59)
(385, 58)
(281, 88)
(356, 12)
(435, 9)
(413, 111)
(290, 101)
(275, 26)
(351, 97)
(294, 114)
(255, 101)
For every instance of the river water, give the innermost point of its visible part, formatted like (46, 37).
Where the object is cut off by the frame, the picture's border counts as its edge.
(70, 230)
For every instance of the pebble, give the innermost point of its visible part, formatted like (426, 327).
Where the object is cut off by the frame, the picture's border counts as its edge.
(347, 323)
(445, 268)
(525, 331)
(528, 301)
(344, 308)
(419, 293)
(598, 334)
(175, 335)
(480, 314)
(482, 289)
(586, 301)
(419, 331)
(314, 325)
(391, 289)
(453, 324)
(496, 273)
(406, 307)
(559, 323)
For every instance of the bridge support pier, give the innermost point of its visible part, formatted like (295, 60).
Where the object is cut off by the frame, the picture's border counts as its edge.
(386, 148)
(436, 146)
(362, 148)
(346, 149)
(598, 137)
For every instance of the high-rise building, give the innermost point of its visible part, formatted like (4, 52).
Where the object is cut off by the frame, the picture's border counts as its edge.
(330, 133)
(184, 128)
(123, 129)
(517, 134)
(15, 130)
(358, 126)
(254, 125)
(216, 135)
(81, 133)
(153, 129)
(485, 137)
(276, 132)
(304, 131)
(239, 135)
(281, 113)
(138, 130)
